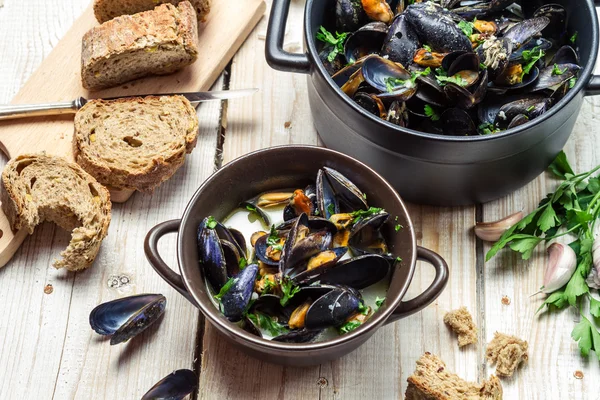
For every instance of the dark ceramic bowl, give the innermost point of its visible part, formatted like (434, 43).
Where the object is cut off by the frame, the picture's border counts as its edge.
(272, 169)
(444, 170)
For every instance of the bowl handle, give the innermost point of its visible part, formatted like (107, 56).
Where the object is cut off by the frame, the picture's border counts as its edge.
(276, 56)
(156, 261)
(442, 272)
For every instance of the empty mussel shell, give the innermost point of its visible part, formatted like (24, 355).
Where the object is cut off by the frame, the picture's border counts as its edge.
(174, 386)
(365, 41)
(127, 317)
(522, 32)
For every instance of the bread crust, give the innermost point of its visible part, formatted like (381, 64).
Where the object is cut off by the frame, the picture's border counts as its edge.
(105, 10)
(134, 143)
(39, 187)
(159, 41)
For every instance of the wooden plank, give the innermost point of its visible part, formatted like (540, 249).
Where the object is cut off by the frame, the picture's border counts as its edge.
(553, 355)
(47, 349)
(279, 114)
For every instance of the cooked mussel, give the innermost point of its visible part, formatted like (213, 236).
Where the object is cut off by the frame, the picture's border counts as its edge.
(174, 386)
(401, 42)
(365, 41)
(127, 317)
(235, 301)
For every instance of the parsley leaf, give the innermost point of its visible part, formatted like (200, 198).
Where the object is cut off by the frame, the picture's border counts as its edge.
(488, 128)
(442, 80)
(525, 245)
(548, 218)
(348, 327)
(378, 302)
(573, 38)
(572, 82)
(363, 309)
(289, 290)
(398, 259)
(431, 113)
(337, 42)
(226, 287)
(531, 57)
(268, 323)
(557, 71)
(331, 208)
(594, 307)
(242, 263)
(587, 337)
(556, 299)
(211, 223)
(466, 27)
(273, 239)
(393, 84)
(560, 166)
(398, 227)
(360, 214)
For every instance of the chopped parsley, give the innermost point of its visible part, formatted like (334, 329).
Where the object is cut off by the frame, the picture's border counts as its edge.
(427, 48)
(531, 57)
(273, 239)
(398, 259)
(379, 302)
(360, 214)
(573, 38)
(431, 113)
(392, 84)
(331, 208)
(289, 290)
(269, 285)
(348, 327)
(362, 308)
(365, 196)
(242, 263)
(250, 208)
(268, 324)
(398, 227)
(466, 27)
(557, 71)
(572, 82)
(226, 287)
(211, 223)
(337, 42)
(442, 80)
(530, 109)
(488, 129)
(482, 66)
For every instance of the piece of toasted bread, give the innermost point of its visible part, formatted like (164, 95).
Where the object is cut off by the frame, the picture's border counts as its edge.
(462, 323)
(507, 352)
(431, 381)
(106, 10)
(134, 143)
(155, 42)
(38, 187)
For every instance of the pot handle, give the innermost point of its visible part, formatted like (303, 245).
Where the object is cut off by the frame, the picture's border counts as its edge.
(442, 273)
(156, 261)
(276, 57)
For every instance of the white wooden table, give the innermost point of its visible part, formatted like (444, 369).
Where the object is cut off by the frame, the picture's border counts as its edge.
(48, 351)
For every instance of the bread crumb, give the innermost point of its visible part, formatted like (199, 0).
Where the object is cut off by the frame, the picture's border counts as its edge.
(432, 381)
(462, 323)
(507, 352)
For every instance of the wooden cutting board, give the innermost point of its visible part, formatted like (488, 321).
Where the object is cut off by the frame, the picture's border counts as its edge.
(59, 79)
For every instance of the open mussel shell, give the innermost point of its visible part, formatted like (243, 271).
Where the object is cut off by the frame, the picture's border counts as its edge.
(494, 53)
(557, 15)
(548, 78)
(365, 41)
(435, 27)
(541, 43)
(298, 336)
(565, 55)
(522, 32)
(211, 256)
(401, 41)
(305, 248)
(502, 81)
(458, 61)
(302, 201)
(397, 114)
(232, 257)
(326, 200)
(260, 250)
(377, 72)
(477, 9)
(371, 103)
(358, 272)
(314, 223)
(174, 386)
(318, 263)
(252, 206)
(457, 122)
(431, 92)
(531, 106)
(345, 190)
(465, 99)
(127, 317)
(235, 301)
(331, 309)
(336, 64)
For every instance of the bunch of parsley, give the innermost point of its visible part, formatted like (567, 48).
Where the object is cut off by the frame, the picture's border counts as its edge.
(574, 208)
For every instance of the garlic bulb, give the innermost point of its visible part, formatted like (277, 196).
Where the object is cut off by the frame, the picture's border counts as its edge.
(593, 280)
(561, 265)
(492, 231)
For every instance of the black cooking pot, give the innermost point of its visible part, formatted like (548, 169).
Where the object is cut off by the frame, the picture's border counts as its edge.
(428, 168)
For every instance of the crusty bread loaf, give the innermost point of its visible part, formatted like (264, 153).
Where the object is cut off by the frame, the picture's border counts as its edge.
(106, 10)
(38, 187)
(160, 41)
(462, 323)
(431, 381)
(134, 143)
(507, 352)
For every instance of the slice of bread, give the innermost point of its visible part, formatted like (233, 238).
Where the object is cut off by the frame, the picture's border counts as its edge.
(431, 381)
(507, 352)
(156, 42)
(134, 143)
(38, 187)
(106, 10)
(462, 323)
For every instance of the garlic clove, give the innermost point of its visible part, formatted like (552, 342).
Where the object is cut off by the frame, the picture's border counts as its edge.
(561, 265)
(492, 231)
(593, 279)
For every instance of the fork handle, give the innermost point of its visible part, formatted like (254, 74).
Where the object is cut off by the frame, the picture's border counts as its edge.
(11, 111)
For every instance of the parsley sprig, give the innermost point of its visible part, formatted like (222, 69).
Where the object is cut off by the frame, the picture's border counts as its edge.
(574, 208)
(431, 113)
(273, 239)
(360, 214)
(268, 324)
(336, 41)
(393, 84)
(288, 289)
(531, 57)
(466, 27)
